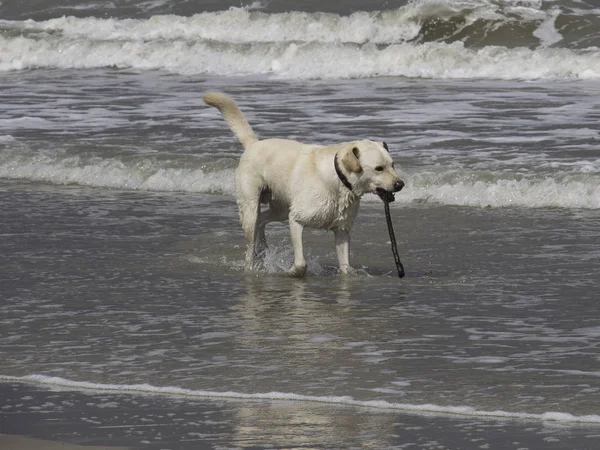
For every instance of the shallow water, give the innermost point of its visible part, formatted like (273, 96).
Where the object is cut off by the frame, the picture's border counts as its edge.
(133, 287)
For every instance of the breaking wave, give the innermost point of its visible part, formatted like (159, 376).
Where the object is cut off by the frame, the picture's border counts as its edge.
(462, 187)
(428, 38)
(135, 173)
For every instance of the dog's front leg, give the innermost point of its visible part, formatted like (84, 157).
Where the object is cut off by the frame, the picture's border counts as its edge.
(342, 246)
(299, 267)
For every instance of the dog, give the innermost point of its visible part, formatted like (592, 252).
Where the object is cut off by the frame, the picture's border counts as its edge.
(315, 186)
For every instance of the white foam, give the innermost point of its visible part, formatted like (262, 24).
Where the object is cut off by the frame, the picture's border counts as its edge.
(547, 32)
(314, 60)
(115, 173)
(577, 185)
(465, 188)
(239, 25)
(431, 409)
(247, 25)
(292, 45)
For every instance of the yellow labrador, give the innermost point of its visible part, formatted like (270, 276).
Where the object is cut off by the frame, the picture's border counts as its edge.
(310, 185)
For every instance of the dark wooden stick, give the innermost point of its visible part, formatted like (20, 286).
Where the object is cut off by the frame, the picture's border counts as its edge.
(388, 218)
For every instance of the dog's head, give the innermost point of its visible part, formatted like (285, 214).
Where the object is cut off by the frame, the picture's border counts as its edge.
(371, 168)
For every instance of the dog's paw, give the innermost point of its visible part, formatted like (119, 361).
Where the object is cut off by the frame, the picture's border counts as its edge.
(297, 271)
(347, 270)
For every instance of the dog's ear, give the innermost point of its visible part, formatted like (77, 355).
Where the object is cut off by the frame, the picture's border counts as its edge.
(351, 159)
(385, 146)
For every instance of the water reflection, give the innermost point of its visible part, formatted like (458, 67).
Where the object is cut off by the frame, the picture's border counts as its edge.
(294, 426)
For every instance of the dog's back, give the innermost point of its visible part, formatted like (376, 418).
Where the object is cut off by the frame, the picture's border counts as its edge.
(280, 164)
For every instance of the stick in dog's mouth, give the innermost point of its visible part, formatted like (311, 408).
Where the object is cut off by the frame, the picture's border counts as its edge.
(388, 196)
(384, 195)
(388, 219)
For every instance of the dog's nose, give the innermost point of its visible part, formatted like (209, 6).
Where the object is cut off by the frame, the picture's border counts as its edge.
(398, 185)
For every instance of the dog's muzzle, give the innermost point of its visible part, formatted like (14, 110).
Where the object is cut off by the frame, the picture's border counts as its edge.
(388, 196)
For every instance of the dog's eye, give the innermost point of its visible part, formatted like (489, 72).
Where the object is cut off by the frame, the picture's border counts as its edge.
(379, 169)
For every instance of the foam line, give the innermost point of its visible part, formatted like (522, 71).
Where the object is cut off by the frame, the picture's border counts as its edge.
(57, 382)
(577, 188)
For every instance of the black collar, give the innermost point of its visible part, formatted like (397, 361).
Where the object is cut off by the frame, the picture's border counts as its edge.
(342, 177)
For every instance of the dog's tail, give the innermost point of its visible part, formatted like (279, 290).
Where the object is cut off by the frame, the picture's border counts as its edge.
(234, 117)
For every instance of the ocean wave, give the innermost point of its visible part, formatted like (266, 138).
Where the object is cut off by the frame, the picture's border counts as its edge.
(302, 61)
(117, 173)
(430, 39)
(430, 409)
(497, 189)
(576, 186)
(477, 22)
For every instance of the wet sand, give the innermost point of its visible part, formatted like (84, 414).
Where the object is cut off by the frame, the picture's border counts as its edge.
(43, 419)
(16, 442)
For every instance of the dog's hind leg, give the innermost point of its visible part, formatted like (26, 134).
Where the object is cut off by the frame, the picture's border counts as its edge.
(248, 218)
(248, 199)
(260, 236)
(273, 214)
(263, 219)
